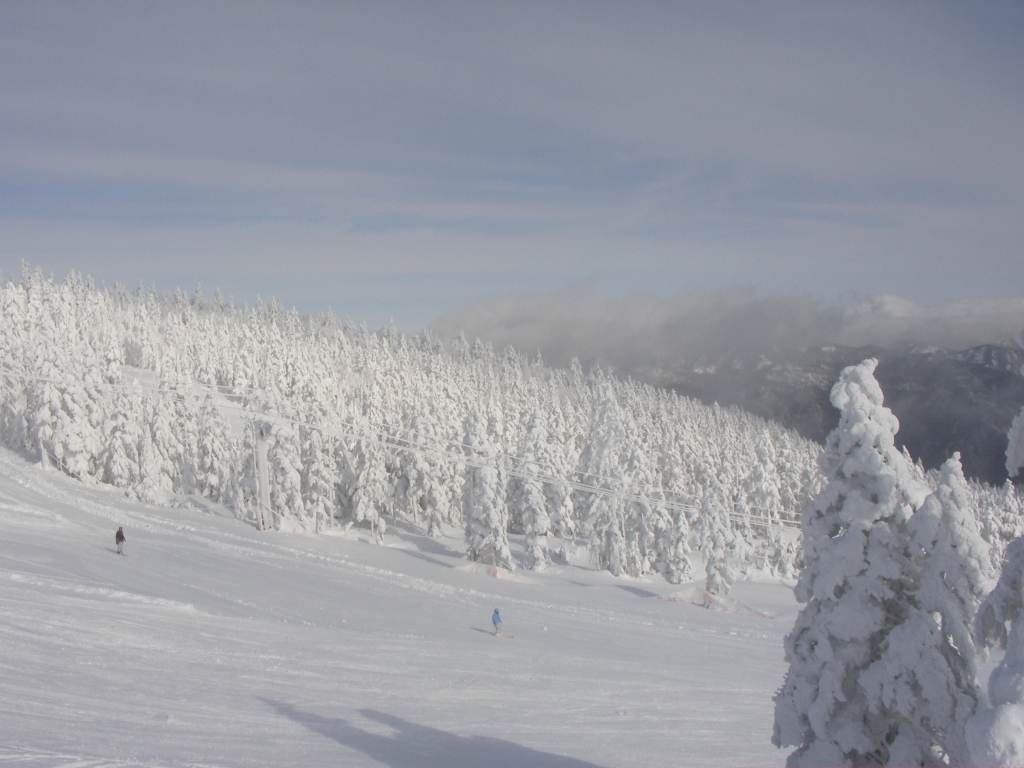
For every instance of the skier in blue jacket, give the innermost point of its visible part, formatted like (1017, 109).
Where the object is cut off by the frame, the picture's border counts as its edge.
(496, 620)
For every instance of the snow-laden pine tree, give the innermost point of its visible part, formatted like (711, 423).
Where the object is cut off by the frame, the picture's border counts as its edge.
(285, 463)
(187, 426)
(148, 461)
(613, 516)
(1015, 444)
(365, 485)
(670, 546)
(1000, 516)
(926, 678)
(216, 455)
(44, 393)
(558, 453)
(161, 454)
(77, 438)
(318, 472)
(120, 458)
(13, 363)
(995, 735)
(716, 542)
(857, 586)
(246, 504)
(761, 484)
(527, 499)
(485, 512)
(777, 555)
(429, 474)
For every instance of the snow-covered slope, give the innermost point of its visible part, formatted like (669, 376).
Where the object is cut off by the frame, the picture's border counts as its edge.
(214, 644)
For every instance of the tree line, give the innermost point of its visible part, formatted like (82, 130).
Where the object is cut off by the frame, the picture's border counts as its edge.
(166, 393)
(162, 394)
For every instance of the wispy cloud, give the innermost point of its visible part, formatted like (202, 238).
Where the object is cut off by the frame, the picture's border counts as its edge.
(817, 148)
(641, 333)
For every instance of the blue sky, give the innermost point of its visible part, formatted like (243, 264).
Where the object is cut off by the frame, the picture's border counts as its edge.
(404, 159)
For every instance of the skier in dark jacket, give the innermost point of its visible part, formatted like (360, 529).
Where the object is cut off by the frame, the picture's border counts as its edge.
(119, 539)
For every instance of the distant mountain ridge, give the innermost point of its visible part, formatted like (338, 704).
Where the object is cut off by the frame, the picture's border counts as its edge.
(945, 400)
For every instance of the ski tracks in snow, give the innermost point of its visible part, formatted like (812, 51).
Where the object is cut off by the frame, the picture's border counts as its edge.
(12, 757)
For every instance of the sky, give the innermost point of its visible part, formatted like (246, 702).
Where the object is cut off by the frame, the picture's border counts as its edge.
(652, 338)
(410, 160)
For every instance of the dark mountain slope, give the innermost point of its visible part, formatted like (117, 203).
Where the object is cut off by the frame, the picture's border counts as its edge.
(945, 401)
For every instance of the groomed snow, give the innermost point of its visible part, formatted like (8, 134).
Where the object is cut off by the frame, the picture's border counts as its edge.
(213, 644)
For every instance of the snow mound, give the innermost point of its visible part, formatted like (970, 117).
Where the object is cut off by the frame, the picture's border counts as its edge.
(695, 594)
(494, 572)
(285, 525)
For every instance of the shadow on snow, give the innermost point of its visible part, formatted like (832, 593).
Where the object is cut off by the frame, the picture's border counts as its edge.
(637, 591)
(419, 746)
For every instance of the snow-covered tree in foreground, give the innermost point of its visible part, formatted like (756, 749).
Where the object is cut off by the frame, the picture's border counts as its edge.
(996, 735)
(865, 645)
(927, 675)
(1015, 444)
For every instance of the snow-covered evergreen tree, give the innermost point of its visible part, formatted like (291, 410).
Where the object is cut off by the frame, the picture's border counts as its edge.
(558, 454)
(1015, 445)
(429, 475)
(77, 438)
(44, 393)
(857, 586)
(527, 499)
(926, 676)
(995, 735)
(717, 543)
(484, 497)
(120, 459)
(285, 459)
(216, 455)
(318, 474)
(615, 518)
(779, 556)
(162, 454)
(365, 483)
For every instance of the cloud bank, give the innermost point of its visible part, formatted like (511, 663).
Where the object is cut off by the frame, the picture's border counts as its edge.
(641, 334)
(695, 145)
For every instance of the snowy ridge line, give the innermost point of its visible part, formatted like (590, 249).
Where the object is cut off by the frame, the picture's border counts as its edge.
(380, 437)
